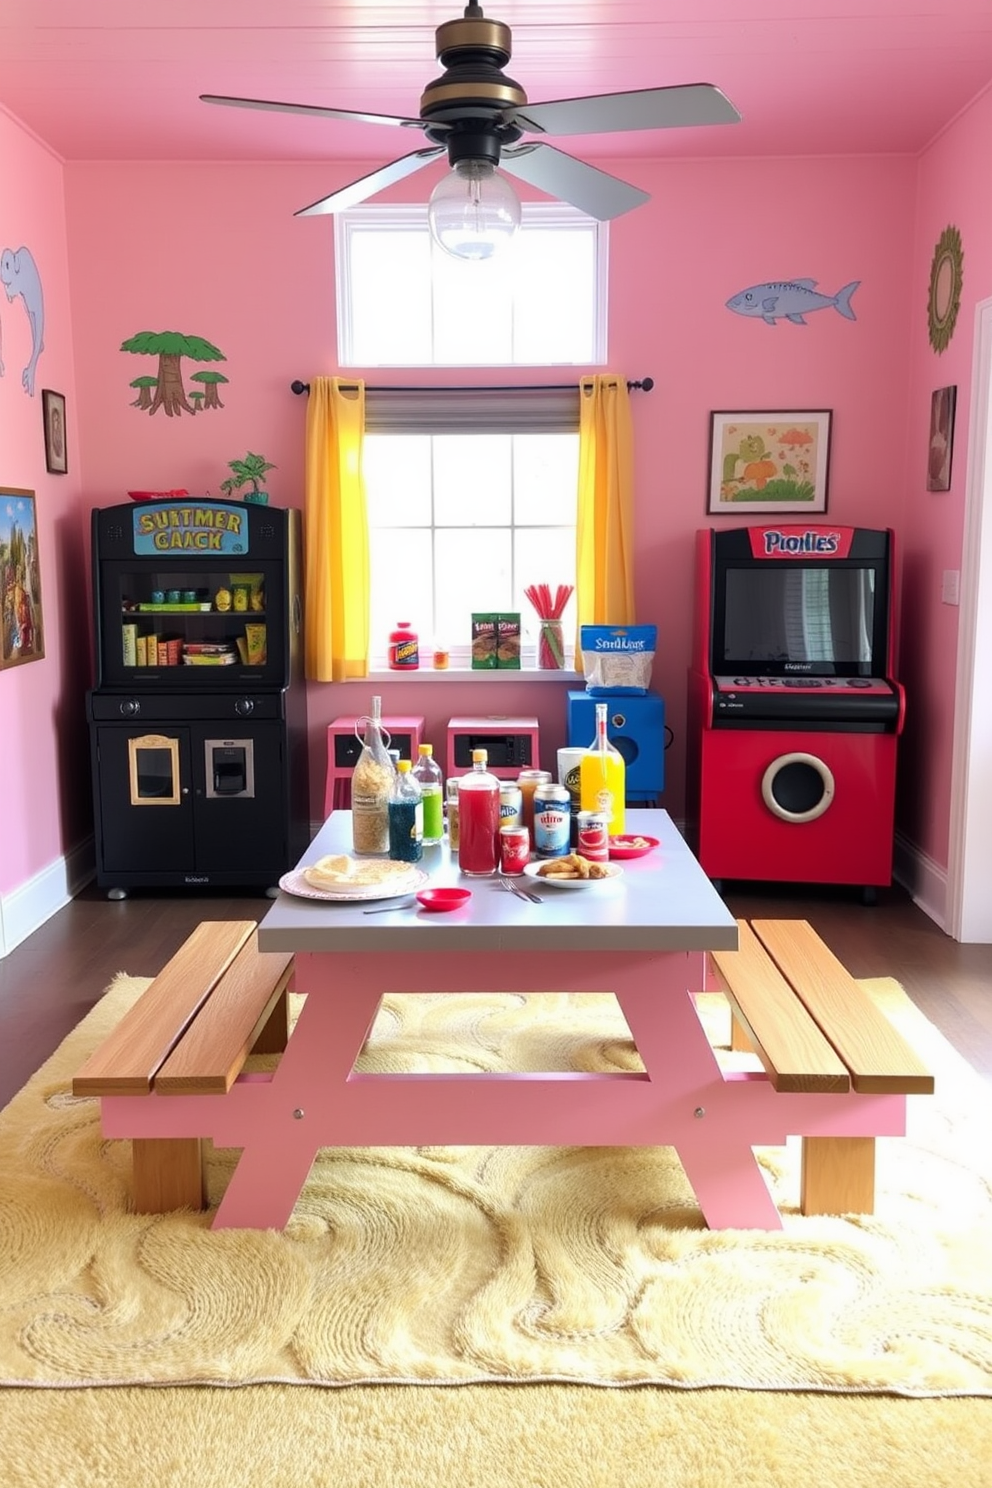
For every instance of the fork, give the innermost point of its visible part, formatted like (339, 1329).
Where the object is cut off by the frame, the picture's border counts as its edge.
(514, 888)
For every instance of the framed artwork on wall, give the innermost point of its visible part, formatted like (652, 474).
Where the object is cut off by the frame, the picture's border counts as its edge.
(53, 410)
(769, 462)
(22, 631)
(941, 446)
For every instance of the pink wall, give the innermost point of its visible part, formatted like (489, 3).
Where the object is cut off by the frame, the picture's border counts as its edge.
(953, 190)
(174, 247)
(43, 753)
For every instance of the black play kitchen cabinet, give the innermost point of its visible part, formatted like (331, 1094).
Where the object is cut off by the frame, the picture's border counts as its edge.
(198, 717)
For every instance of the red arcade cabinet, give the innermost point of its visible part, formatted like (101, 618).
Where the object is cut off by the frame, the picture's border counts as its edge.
(794, 715)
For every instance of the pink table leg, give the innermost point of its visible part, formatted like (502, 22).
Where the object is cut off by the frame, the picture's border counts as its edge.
(283, 1143)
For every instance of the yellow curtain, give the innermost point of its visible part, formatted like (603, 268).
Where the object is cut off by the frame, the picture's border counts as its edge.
(604, 562)
(336, 534)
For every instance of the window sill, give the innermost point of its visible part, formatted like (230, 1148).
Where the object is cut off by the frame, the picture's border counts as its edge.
(468, 674)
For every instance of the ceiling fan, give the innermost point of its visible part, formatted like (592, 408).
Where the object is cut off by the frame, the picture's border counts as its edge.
(478, 116)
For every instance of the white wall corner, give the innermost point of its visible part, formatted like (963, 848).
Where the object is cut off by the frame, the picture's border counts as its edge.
(26, 908)
(924, 880)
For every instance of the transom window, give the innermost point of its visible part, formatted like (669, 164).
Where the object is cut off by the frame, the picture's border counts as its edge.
(404, 302)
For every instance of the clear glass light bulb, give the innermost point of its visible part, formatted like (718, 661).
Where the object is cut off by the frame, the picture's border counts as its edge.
(473, 210)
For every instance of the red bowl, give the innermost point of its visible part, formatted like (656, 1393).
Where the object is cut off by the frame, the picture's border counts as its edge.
(436, 901)
(632, 845)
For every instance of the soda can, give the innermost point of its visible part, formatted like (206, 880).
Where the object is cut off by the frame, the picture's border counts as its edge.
(594, 841)
(514, 849)
(510, 804)
(552, 821)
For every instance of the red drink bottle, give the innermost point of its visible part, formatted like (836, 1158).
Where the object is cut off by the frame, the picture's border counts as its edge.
(478, 819)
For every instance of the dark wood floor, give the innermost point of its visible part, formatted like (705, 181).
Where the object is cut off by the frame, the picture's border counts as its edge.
(50, 981)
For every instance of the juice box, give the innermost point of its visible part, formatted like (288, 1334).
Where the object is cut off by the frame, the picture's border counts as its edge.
(508, 641)
(485, 641)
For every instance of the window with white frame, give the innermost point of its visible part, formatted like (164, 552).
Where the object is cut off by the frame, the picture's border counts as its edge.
(471, 499)
(403, 302)
(472, 492)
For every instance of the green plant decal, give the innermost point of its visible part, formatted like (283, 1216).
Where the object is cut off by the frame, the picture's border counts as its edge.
(251, 468)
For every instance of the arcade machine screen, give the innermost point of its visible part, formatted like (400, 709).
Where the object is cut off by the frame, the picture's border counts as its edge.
(820, 620)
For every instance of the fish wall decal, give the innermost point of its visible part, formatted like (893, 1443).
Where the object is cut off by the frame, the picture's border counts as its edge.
(791, 299)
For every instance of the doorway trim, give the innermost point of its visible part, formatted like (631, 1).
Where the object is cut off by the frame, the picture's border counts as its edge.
(969, 902)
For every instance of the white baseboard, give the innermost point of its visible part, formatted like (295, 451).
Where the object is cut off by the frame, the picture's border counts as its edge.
(26, 908)
(923, 879)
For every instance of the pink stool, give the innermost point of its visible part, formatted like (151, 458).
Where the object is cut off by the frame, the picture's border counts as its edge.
(343, 749)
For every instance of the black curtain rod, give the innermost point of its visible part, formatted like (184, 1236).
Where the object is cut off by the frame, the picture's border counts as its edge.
(644, 385)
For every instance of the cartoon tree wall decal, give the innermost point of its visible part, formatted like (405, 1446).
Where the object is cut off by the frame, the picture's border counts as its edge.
(211, 381)
(170, 347)
(144, 386)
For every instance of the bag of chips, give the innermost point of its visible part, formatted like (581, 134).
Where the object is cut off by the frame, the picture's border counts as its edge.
(618, 658)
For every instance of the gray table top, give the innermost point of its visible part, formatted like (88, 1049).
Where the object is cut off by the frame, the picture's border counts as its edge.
(662, 902)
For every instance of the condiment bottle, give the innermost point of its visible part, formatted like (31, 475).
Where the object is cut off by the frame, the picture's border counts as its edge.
(371, 783)
(404, 648)
(478, 819)
(406, 817)
(602, 777)
(427, 773)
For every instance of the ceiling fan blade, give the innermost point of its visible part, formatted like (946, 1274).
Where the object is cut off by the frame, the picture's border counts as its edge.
(608, 113)
(313, 110)
(366, 186)
(581, 185)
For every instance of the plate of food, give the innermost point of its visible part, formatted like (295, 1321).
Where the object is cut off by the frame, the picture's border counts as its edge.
(572, 872)
(631, 846)
(341, 877)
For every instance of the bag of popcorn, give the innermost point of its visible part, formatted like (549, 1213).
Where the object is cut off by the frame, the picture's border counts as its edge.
(618, 658)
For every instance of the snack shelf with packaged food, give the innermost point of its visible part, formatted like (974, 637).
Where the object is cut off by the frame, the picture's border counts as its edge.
(197, 714)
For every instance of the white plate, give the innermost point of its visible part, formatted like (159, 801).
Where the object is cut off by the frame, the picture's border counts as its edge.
(613, 870)
(295, 883)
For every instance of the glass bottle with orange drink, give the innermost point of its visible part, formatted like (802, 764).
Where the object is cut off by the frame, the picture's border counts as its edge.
(602, 777)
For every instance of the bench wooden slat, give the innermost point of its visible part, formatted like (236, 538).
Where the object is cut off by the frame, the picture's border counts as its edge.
(210, 1054)
(791, 1047)
(878, 1057)
(128, 1059)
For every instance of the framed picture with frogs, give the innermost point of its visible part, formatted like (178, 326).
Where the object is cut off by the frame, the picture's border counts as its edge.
(775, 461)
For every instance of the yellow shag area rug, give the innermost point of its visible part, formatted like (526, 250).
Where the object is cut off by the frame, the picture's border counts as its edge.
(855, 1350)
(464, 1265)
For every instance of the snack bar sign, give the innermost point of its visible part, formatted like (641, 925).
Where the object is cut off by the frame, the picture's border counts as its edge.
(190, 527)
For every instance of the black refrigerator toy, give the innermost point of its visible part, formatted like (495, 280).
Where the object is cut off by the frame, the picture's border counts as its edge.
(198, 717)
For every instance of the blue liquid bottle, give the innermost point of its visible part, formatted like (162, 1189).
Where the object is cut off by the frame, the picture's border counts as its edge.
(406, 817)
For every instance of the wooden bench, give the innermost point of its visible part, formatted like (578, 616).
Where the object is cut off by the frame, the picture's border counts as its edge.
(218, 999)
(815, 1029)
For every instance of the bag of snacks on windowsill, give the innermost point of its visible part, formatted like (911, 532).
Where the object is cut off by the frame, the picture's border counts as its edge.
(618, 658)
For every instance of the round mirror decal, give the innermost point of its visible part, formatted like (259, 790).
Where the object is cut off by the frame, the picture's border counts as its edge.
(946, 278)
